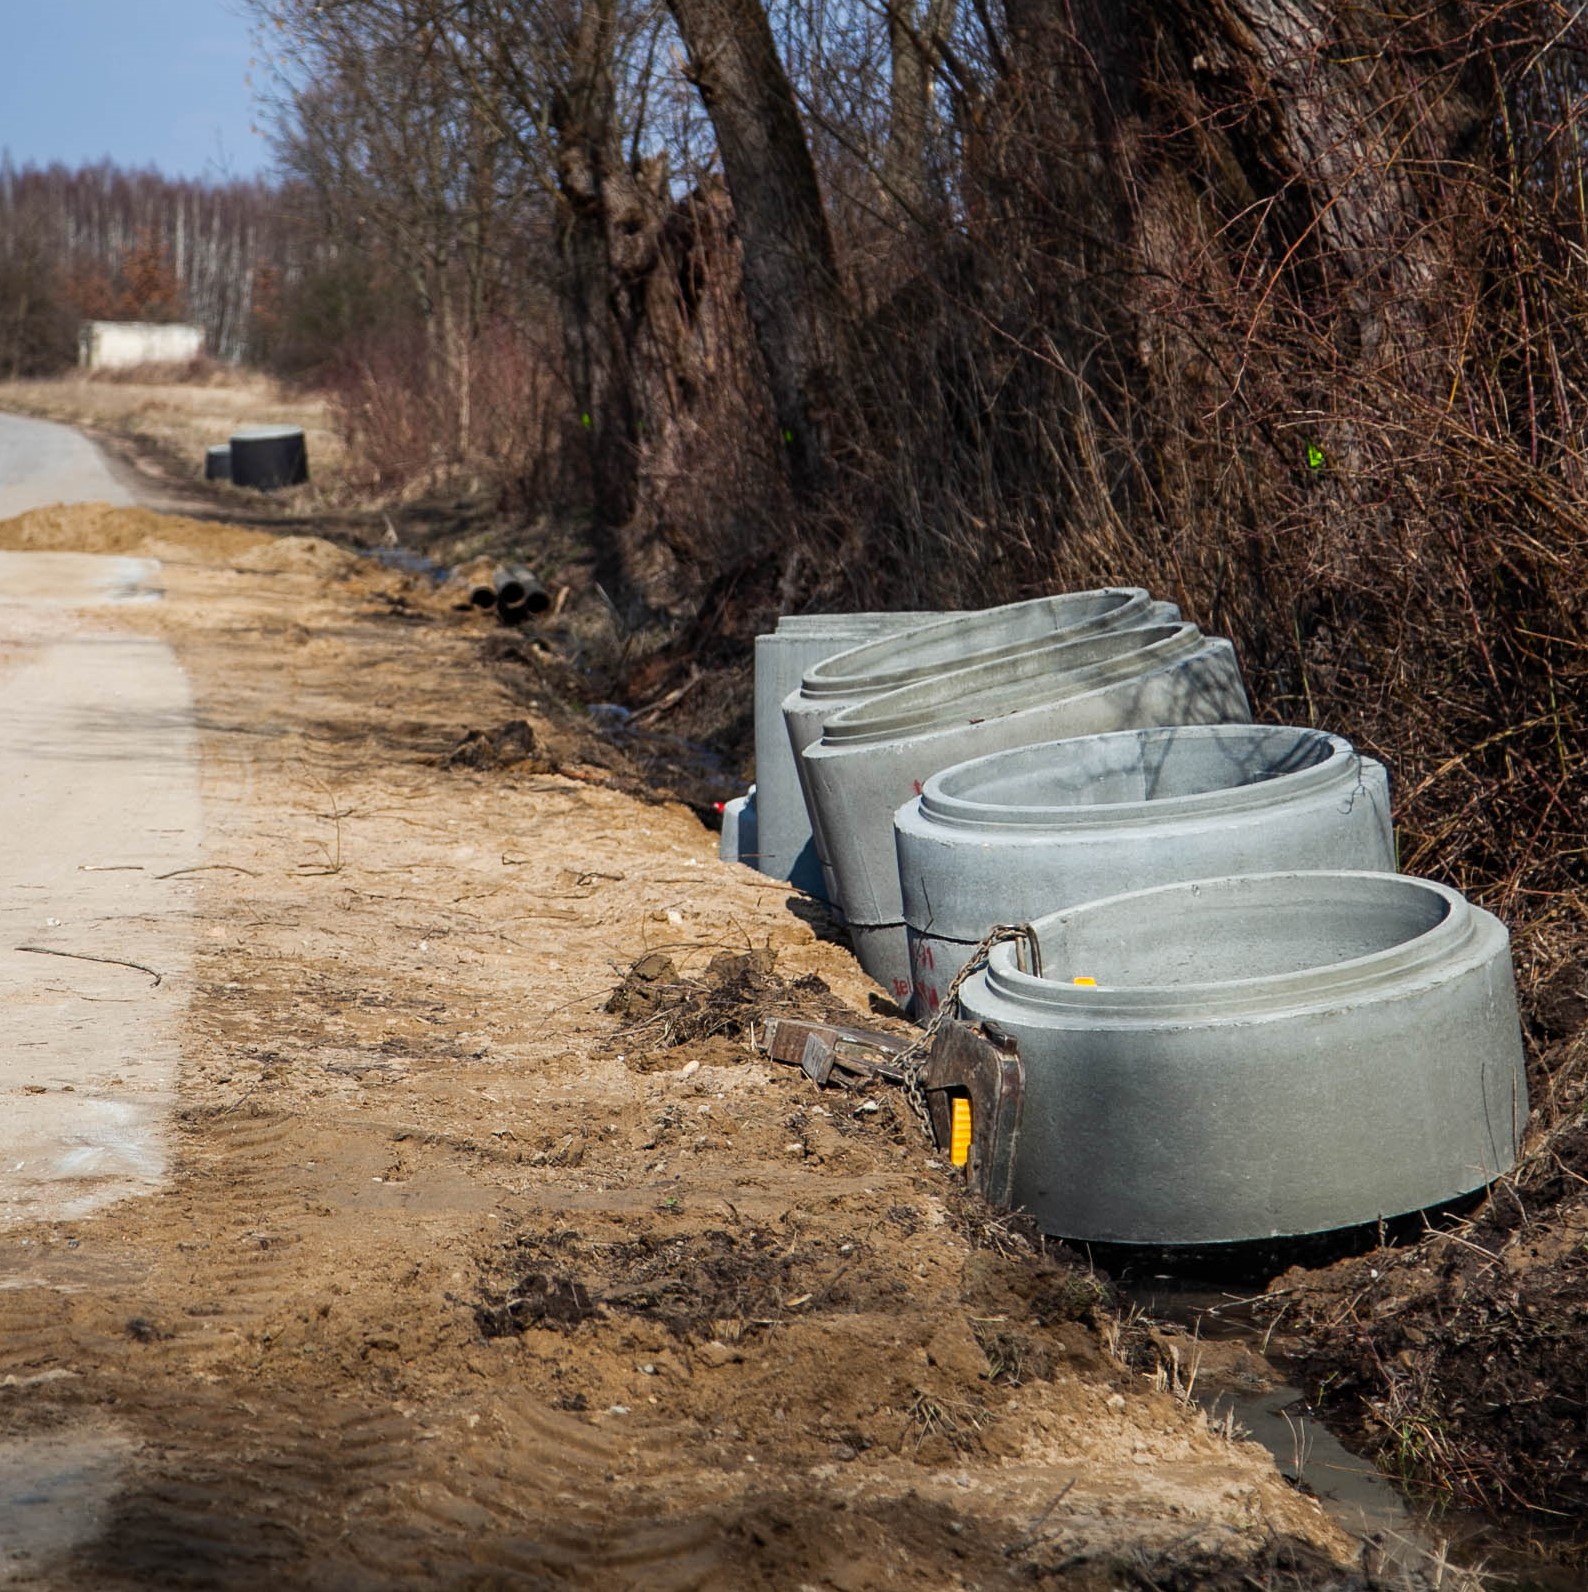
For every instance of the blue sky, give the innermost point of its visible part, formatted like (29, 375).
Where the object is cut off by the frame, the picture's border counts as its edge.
(146, 82)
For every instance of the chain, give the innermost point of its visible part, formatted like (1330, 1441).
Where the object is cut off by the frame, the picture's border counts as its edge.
(914, 1057)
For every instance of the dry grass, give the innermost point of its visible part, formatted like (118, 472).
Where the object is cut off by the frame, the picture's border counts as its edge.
(174, 414)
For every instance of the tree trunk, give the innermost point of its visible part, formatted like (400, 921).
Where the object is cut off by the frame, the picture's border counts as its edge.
(598, 366)
(914, 38)
(791, 281)
(1329, 126)
(1228, 177)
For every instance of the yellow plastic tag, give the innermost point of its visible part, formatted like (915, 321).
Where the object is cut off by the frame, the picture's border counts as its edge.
(959, 1130)
(1090, 983)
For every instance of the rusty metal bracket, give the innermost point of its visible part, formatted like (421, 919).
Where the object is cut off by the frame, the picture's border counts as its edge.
(970, 1060)
(831, 1053)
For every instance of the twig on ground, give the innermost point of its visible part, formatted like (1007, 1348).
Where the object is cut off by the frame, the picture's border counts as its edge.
(208, 867)
(671, 700)
(1031, 1536)
(82, 956)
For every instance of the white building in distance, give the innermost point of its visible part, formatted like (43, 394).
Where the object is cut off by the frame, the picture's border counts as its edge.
(119, 345)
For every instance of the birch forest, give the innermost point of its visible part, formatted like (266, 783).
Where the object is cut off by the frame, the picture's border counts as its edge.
(101, 243)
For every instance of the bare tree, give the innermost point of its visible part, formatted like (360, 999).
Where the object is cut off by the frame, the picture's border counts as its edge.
(791, 279)
(132, 244)
(549, 76)
(916, 35)
(372, 121)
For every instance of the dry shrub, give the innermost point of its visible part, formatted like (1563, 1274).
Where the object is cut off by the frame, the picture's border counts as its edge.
(415, 415)
(1322, 383)
(202, 371)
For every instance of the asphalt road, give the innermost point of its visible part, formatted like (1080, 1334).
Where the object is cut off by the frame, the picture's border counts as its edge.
(43, 463)
(98, 798)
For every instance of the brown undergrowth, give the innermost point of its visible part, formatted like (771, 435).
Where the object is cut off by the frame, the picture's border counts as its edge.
(1462, 1359)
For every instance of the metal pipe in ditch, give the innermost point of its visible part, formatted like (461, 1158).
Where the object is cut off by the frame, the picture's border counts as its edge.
(519, 594)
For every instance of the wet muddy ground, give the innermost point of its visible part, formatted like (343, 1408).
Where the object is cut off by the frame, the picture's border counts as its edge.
(463, 1274)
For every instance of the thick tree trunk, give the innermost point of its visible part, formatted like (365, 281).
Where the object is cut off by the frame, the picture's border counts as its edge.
(791, 281)
(1350, 119)
(598, 366)
(1298, 150)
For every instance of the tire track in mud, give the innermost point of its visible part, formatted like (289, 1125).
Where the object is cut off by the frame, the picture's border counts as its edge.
(248, 1480)
(236, 1492)
(536, 1497)
(35, 1326)
(250, 1274)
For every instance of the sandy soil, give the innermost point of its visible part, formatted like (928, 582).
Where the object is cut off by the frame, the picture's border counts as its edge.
(460, 1279)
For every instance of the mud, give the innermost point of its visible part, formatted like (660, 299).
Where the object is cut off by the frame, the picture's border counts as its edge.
(459, 1279)
(1462, 1360)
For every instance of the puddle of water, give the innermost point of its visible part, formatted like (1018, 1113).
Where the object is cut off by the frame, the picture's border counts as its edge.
(1236, 1380)
(408, 561)
(56, 1492)
(1244, 1386)
(1308, 1453)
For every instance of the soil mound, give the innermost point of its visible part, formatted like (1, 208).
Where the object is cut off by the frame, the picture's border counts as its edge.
(735, 993)
(101, 528)
(296, 555)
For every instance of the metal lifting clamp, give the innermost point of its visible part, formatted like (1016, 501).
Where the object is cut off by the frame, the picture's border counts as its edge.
(967, 1066)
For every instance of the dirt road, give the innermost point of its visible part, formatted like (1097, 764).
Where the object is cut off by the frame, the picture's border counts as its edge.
(458, 1279)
